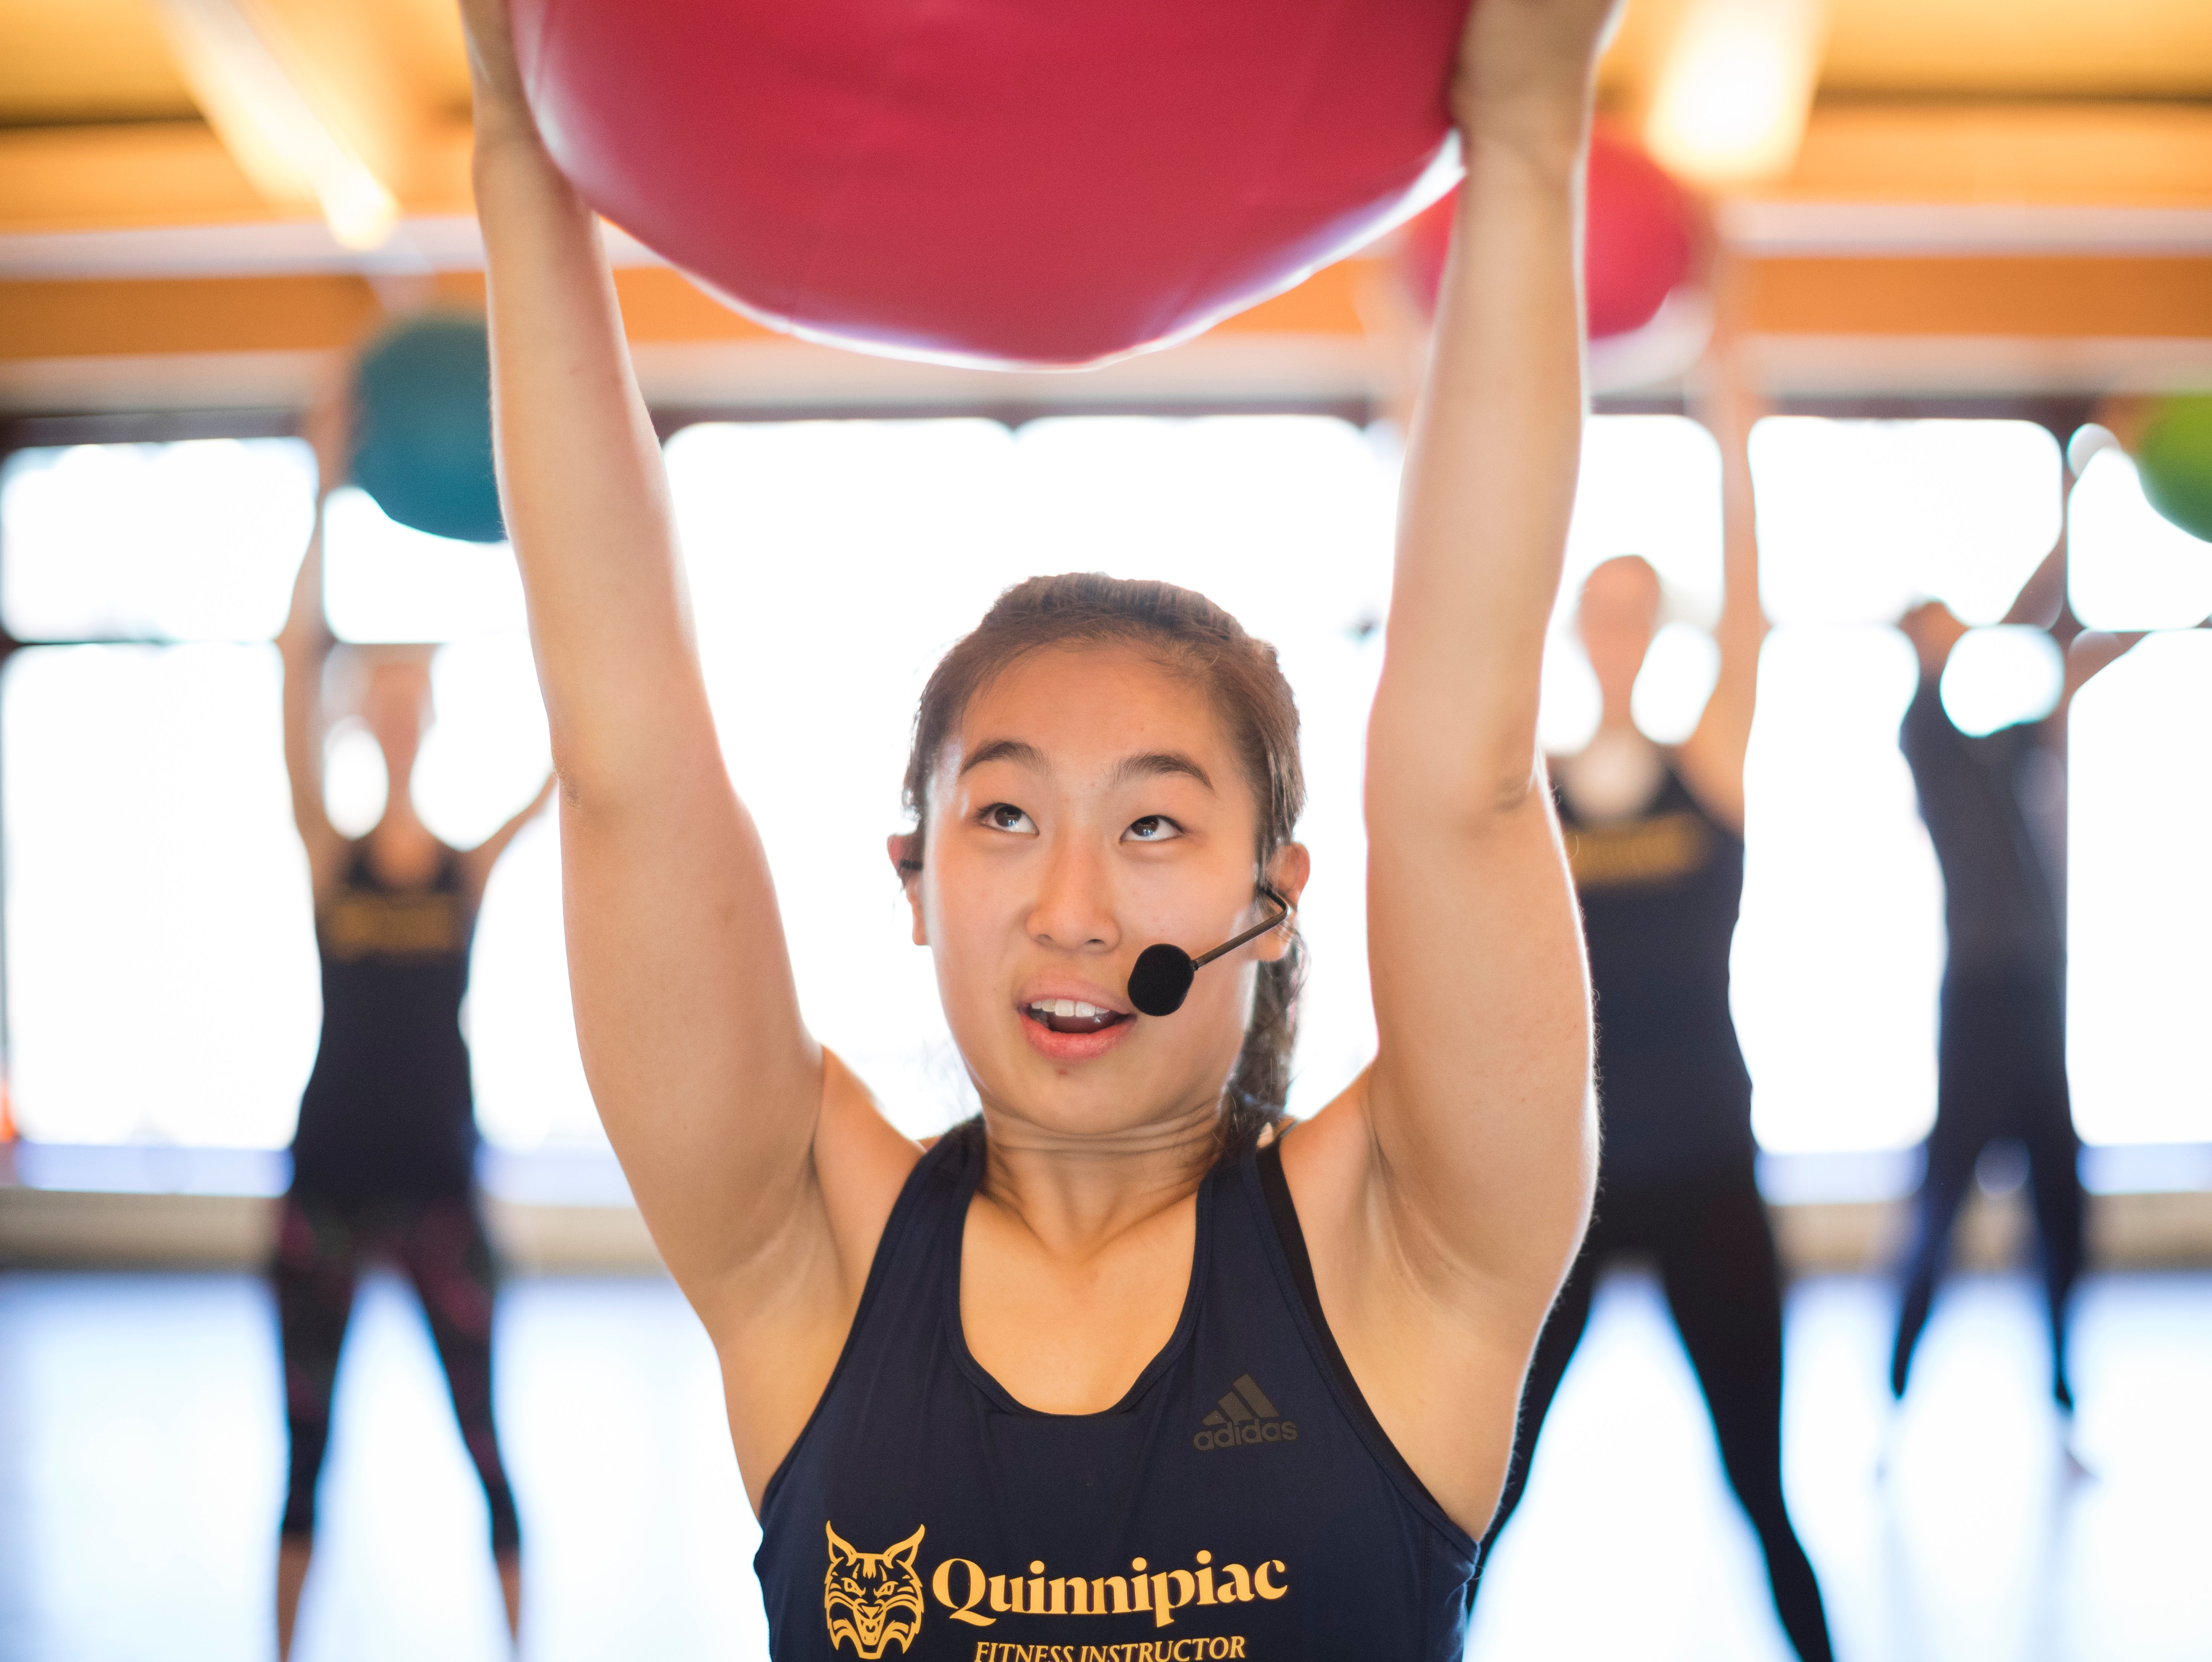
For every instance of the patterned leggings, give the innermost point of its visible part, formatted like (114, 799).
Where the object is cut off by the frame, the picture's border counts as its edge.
(441, 1246)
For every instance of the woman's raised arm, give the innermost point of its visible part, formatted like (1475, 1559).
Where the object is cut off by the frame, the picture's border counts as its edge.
(710, 1087)
(1712, 757)
(304, 644)
(1446, 1194)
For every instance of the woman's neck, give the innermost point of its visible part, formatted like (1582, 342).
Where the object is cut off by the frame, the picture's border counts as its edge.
(401, 848)
(1614, 717)
(1076, 1193)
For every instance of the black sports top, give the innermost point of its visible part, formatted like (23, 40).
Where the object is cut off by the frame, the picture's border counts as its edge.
(1999, 910)
(388, 1113)
(1239, 1501)
(1660, 891)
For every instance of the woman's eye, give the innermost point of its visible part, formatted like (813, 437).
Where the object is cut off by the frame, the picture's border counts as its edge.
(1154, 827)
(1005, 817)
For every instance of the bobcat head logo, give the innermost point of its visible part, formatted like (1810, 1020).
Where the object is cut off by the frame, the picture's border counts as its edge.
(872, 1597)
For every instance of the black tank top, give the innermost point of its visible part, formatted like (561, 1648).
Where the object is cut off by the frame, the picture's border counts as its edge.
(388, 1113)
(1239, 1501)
(1660, 892)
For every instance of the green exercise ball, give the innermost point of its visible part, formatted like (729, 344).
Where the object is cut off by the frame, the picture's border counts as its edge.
(422, 430)
(2174, 457)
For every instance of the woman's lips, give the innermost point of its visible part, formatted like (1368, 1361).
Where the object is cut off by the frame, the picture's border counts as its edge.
(1075, 1037)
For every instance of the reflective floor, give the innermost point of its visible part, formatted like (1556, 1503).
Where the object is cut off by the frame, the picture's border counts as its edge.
(140, 1465)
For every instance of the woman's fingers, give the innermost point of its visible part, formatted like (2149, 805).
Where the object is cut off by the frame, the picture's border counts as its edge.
(1528, 61)
(494, 73)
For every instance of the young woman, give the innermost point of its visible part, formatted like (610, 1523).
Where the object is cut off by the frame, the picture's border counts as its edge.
(2001, 1058)
(384, 1160)
(1655, 839)
(1096, 1370)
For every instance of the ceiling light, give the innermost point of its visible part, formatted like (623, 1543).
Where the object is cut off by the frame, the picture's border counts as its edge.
(1735, 87)
(233, 62)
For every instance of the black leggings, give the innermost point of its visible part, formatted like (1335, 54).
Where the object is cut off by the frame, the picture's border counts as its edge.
(2001, 1072)
(1715, 1258)
(441, 1246)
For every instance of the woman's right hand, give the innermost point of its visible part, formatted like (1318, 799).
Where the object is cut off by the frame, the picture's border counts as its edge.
(495, 76)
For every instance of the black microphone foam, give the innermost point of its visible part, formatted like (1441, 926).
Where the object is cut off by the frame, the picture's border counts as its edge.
(1161, 979)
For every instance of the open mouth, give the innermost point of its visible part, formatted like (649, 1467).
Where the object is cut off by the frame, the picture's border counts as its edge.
(1072, 1015)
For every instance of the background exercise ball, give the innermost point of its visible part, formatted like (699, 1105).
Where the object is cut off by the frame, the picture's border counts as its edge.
(1636, 240)
(2173, 456)
(421, 432)
(995, 181)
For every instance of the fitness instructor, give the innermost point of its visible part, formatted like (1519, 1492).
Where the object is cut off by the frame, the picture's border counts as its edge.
(979, 1393)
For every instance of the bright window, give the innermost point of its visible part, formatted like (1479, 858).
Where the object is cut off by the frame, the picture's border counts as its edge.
(181, 542)
(382, 581)
(162, 975)
(1841, 942)
(161, 963)
(2139, 904)
(2001, 676)
(1857, 519)
(2128, 566)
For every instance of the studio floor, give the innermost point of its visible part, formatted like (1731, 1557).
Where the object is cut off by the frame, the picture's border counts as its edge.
(141, 1453)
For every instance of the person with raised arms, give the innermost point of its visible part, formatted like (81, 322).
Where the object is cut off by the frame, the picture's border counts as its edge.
(1131, 1362)
(384, 1160)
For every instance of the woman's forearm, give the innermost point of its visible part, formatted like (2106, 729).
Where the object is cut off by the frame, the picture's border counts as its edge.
(582, 480)
(1490, 480)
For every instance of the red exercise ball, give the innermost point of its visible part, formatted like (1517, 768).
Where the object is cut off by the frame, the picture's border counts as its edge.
(1636, 240)
(1013, 182)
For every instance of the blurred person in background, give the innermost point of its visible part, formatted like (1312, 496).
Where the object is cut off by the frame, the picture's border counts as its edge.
(383, 1159)
(1995, 807)
(1655, 839)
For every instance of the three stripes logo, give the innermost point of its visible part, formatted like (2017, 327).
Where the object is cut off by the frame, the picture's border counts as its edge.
(1245, 1416)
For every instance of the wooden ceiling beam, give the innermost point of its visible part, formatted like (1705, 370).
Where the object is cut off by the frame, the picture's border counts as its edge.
(166, 174)
(2118, 154)
(2034, 298)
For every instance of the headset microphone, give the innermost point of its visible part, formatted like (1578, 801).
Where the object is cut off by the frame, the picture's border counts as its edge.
(1160, 979)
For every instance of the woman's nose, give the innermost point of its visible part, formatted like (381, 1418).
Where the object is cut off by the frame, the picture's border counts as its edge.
(1074, 906)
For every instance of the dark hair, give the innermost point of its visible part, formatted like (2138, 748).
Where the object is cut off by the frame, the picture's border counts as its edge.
(1191, 636)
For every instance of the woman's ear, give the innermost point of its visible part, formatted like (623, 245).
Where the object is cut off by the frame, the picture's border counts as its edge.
(901, 845)
(1286, 874)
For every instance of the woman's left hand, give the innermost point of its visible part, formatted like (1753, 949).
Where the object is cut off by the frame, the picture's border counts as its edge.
(1526, 68)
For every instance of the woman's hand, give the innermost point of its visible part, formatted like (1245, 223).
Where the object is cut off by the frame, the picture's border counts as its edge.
(495, 76)
(1526, 69)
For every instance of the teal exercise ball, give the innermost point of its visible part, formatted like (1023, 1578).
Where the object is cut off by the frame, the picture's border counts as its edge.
(421, 433)
(2174, 457)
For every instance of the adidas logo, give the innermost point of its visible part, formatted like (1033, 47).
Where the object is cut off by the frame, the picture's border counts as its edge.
(1245, 1417)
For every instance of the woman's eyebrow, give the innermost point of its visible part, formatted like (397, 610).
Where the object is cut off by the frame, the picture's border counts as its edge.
(1021, 754)
(1155, 764)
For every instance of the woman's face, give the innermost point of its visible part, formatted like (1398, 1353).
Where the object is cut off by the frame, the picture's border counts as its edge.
(1617, 618)
(395, 706)
(1091, 804)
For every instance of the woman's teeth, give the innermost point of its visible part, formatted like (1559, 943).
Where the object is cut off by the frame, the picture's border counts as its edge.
(1073, 1015)
(1067, 1007)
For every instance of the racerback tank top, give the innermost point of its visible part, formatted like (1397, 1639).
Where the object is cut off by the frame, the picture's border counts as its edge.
(1240, 1500)
(388, 1113)
(1660, 892)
